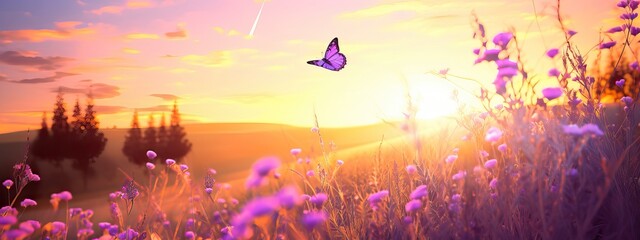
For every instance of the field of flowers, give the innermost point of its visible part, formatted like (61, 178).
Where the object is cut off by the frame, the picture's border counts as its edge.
(530, 165)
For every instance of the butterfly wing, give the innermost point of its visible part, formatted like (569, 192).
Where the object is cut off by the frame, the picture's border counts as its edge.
(333, 59)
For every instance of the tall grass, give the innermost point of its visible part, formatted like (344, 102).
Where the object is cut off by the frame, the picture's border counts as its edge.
(531, 165)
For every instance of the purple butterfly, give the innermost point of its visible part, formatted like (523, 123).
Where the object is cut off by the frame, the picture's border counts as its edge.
(333, 59)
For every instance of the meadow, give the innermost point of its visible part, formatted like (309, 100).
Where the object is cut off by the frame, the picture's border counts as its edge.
(560, 163)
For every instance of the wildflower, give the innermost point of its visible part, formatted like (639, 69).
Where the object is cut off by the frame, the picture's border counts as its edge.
(261, 206)
(615, 29)
(629, 16)
(620, 83)
(627, 100)
(419, 192)
(591, 128)
(129, 234)
(29, 226)
(572, 129)
(288, 197)
(184, 167)
(494, 183)
(411, 169)
(491, 164)
(607, 45)
(265, 165)
(572, 172)
(151, 155)
(551, 53)
(189, 235)
(28, 203)
(58, 228)
(34, 177)
(571, 33)
(113, 230)
(476, 51)
(502, 147)
(622, 4)
(15, 234)
(634, 65)
(310, 173)
(407, 219)
(150, 166)
(413, 205)
(456, 197)
(318, 199)
(340, 162)
(502, 39)
(305, 197)
(498, 106)
(104, 225)
(85, 232)
(501, 85)
(295, 151)
(451, 158)
(313, 219)
(554, 72)
(129, 190)
(170, 162)
(7, 183)
(491, 55)
(8, 220)
(552, 92)
(507, 72)
(315, 130)
(633, 4)
(459, 176)
(443, 71)
(493, 134)
(376, 198)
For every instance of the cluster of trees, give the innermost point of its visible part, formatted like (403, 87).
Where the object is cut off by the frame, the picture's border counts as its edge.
(167, 142)
(78, 138)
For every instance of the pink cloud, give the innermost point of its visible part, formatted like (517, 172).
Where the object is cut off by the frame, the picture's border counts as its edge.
(63, 30)
(31, 60)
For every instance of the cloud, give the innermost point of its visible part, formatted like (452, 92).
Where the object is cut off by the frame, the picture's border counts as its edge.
(29, 60)
(130, 51)
(166, 97)
(110, 109)
(117, 9)
(136, 36)
(180, 33)
(53, 78)
(63, 30)
(158, 108)
(3, 77)
(212, 60)
(98, 90)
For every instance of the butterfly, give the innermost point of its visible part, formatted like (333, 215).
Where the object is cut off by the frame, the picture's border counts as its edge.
(333, 59)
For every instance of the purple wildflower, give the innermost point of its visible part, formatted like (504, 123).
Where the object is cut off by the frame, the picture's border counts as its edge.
(411, 169)
(340, 162)
(484, 153)
(104, 225)
(572, 172)
(310, 173)
(129, 234)
(615, 29)
(459, 176)
(551, 53)
(627, 100)
(313, 219)
(28, 203)
(629, 16)
(634, 30)
(571, 33)
(184, 167)
(633, 4)
(296, 151)
(491, 55)
(607, 45)
(620, 83)
(288, 197)
(622, 4)
(502, 147)
(493, 134)
(29, 226)
(376, 198)
(476, 51)
(318, 199)
(113, 230)
(150, 166)
(8, 220)
(502, 39)
(151, 155)
(14, 234)
(494, 183)
(451, 158)
(265, 165)
(419, 192)
(7, 183)
(413, 205)
(592, 129)
(58, 228)
(552, 92)
(491, 163)
(170, 162)
(189, 235)
(554, 72)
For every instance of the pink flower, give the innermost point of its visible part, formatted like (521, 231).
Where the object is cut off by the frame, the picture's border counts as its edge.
(313, 219)
(484, 153)
(494, 183)
(554, 72)
(411, 169)
(459, 176)
(64, 195)
(627, 100)
(289, 197)
(318, 199)
(451, 158)
(419, 192)
(502, 147)
(295, 151)
(170, 162)
(184, 167)
(150, 166)
(8, 220)
(340, 162)
(552, 92)
(493, 134)
(413, 206)
(551, 53)
(28, 203)
(315, 130)
(265, 165)
(571, 33)
(502, 39)
(7, 183)
(376, 198)
(310, 173)
(151, 155)
(491, 164)
(491, 55)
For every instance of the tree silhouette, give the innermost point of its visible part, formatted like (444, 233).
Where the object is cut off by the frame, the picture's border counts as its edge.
(150, 137)
(162, 137)
(177, 145)
(41, 146)
(91, 141)
(60, 132)
(133, 143)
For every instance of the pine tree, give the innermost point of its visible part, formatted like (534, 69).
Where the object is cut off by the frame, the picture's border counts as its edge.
(133, 143)
(177, 144)
(60, 132)
(77, 125)
(162, 137)
(150, 138)
(41, 147)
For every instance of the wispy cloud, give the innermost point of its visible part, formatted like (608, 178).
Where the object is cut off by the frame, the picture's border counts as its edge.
(180, 33)
(117, 9)
(130, 51)
(63, 30)
(211, 60)
(135, 36)
(58, 75)
(100, 109)
(166, 97)
(3, 77)
(30, 60)
(158, 108)
(98, 90)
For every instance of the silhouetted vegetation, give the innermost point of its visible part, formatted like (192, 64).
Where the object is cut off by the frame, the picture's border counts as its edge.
(81, 140)
(171, 142)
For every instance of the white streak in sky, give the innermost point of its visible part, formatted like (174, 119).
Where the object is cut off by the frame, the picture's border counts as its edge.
(255, 23)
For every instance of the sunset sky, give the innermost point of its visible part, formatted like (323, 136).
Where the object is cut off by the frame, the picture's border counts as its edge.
(142, 54)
